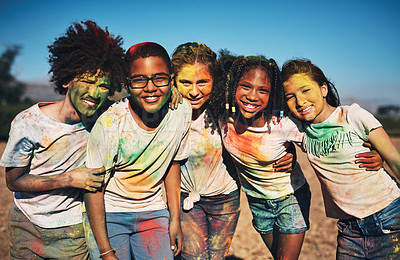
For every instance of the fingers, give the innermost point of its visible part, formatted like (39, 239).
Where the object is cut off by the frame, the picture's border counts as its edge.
(286, 168)
(367, 144)
(98, 171)
(284, 164)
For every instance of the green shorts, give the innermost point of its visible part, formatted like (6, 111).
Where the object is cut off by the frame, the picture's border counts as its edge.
(29, 241)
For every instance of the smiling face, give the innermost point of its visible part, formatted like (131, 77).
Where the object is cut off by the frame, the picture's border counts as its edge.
(150, 98)
(88, 92)
(195, 82)
(306, 99)
(252, 94)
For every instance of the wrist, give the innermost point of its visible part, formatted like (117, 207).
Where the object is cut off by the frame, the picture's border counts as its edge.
(107, 252)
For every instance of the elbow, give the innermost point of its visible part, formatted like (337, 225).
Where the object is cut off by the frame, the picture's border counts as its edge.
(12, 187)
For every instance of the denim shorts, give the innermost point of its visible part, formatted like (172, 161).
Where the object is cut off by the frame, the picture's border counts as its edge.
(288, 214)
(374, 237)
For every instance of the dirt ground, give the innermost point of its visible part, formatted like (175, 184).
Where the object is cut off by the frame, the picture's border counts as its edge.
(320, 240)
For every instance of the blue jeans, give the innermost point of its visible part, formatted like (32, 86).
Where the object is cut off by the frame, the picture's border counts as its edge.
(135, 235)
(209, 226)
(288, 214)
(374, 237)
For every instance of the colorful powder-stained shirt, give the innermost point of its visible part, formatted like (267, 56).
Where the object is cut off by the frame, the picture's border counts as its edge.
(331, 147)
(48, 147)
(256, 149)
(204, 172)
(140, 158)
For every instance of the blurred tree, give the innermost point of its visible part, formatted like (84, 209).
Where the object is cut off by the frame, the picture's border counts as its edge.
(11, 90)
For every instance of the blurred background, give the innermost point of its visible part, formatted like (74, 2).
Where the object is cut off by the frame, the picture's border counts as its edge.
(355, 43)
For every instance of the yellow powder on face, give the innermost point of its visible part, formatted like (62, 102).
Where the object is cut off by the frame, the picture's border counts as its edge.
(191, 76)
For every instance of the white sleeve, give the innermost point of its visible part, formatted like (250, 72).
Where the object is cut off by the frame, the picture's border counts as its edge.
(362, 121)
(19, 149)
(292, 129)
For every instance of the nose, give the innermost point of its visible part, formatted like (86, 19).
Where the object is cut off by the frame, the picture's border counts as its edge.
(150, 87)
(252, 95)
(95, 92)
(194, 92)
(299, 101)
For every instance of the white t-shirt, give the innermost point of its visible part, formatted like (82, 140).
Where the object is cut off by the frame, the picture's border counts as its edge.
(331, 147)
(141, 158)
(48, 147)
(204, 172)
(256, 150)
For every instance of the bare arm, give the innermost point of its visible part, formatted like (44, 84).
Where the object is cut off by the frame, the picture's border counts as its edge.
(173, 190)
(382, 143)
(18, 179)
(94, 203)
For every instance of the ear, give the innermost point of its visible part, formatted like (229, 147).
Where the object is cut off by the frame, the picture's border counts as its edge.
(324, 90)
(67, 85)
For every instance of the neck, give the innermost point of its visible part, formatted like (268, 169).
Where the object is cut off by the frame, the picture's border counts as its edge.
(256, 121)
(146, 120)
(62, 111)
(197, 112)
(325, 113)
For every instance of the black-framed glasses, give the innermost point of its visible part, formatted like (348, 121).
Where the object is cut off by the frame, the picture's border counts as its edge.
(141, 81)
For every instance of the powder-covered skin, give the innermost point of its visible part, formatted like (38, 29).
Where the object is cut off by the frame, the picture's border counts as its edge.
(89, 92)
(195, 82)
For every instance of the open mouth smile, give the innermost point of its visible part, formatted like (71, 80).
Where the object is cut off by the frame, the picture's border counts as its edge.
(90, 102)
(304, 111)
(249, 107)
(151, 99)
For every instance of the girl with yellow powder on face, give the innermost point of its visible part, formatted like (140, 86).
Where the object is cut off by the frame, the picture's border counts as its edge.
(209, 193)
(367, 203)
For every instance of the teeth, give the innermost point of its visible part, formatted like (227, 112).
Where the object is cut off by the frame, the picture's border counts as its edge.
(151, 98)
(90, 103)
(249, 105)
(305, 110)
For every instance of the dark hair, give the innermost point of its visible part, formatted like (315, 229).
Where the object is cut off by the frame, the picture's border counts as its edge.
(191, 53)
(86, 50)
(148, 49)
(222, 99)
(304, 66)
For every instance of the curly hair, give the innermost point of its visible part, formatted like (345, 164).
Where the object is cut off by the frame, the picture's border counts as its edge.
(305, 66)
(222, 100)
(86, 50)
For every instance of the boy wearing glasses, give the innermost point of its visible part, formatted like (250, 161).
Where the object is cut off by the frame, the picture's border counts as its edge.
(140, 141)
(47, 146)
